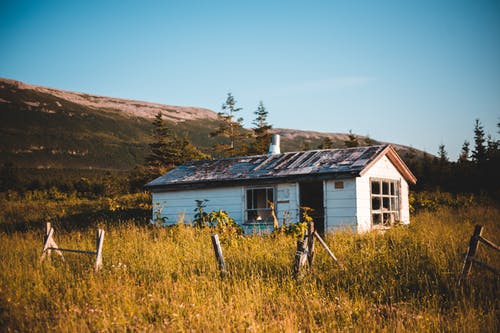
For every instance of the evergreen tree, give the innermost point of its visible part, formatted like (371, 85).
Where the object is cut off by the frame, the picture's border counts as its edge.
(352, 142)
(464, 153)
(479, 152)
(326, 144)
(231, 130)
(167, 149)
(492, 148)
(369, 141)
(443, 155)
(261, 131)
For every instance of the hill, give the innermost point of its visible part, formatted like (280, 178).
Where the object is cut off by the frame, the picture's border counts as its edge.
(44, 127)
(50, 128)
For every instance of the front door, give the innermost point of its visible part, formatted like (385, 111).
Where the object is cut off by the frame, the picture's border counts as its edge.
(311, 195)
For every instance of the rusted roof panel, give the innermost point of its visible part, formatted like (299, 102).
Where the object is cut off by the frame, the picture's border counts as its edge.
(349, 161)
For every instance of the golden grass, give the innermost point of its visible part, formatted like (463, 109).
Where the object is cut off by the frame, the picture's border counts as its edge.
(166, 279)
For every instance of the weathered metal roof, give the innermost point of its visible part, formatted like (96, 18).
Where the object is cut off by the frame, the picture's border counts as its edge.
(314, 164)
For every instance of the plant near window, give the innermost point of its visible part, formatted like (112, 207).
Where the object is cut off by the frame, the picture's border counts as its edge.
(297, 230)
(221, 222)
(200, 218)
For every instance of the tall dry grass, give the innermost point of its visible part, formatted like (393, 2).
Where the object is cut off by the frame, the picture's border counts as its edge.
(166, 279)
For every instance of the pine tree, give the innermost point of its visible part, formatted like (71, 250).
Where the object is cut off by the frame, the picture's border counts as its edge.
(443, 155)
(479, 152)
(352, 142)
(464, 153)
(326, 144)
(231, 129)
(167, 149)
(261, 131)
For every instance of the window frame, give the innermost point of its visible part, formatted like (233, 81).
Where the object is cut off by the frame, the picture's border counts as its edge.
(248, 210)
(387, 211)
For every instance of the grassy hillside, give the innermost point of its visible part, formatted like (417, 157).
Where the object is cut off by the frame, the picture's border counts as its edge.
(38, 129)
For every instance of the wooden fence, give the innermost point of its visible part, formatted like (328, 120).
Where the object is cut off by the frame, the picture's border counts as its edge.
(470, 257)
(305, 251)
(50, 245)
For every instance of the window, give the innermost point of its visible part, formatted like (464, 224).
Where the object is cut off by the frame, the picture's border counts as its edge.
(258, 208)
(339, 184)
(385, 201)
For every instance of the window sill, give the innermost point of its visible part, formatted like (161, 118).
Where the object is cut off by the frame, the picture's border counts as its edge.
(258, 223)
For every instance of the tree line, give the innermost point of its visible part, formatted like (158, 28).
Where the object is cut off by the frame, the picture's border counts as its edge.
(475, 171)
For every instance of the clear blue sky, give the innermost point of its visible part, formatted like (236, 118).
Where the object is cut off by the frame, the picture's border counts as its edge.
(412, 72)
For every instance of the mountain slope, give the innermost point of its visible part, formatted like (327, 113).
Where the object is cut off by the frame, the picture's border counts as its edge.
(44, 127)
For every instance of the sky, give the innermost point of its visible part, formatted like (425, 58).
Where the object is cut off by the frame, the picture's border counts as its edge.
(416, 73)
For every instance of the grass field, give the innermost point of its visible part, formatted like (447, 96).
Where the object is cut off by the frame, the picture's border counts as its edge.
(166, 279)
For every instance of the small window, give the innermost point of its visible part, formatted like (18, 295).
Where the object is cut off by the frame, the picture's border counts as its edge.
(258, 209)
(385, 201)
(339, 184)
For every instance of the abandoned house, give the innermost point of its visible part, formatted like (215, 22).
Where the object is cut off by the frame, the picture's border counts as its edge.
(358, 188)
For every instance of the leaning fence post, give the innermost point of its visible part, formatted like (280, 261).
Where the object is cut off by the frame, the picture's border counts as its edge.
(471, 253)
(218, 254)
(310, 243)
(49, 244)
(328, 250)
(99, 243)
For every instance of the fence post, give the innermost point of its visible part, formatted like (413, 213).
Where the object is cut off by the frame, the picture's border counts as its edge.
(218, 254)
(310, 243)
(471, 252)
(99, 243)
(300, 258)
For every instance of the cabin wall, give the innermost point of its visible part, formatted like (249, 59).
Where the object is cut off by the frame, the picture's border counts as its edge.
(383, 168)
(340, 205)
(180, 204)
(287, 203)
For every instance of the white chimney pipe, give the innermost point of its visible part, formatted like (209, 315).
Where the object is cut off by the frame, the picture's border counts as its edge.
(274, 148)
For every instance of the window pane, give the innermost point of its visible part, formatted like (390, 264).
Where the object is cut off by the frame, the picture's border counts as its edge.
(377, 218)
(375, 203)
(385, 188)
(375, 187)
(393, 190)
(394, 206)
(252, 216)
(385, 203)
(249, 199)
(270, 196)
(387, 218)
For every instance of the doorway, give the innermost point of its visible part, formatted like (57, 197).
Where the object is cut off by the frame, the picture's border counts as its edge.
(311, 195)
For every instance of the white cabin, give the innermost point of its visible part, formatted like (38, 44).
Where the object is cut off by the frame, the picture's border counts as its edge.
(357, 189)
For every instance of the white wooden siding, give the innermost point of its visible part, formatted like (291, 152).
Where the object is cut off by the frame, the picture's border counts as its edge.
(382, 169)
(287, 202)
(182, 203)
(340, 209)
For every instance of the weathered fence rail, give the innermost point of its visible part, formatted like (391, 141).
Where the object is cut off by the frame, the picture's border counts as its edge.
(305, 251)
(50, 245)
(470, 257)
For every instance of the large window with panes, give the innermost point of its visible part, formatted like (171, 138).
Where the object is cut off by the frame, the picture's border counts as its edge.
(385, 201)
(258, 208)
